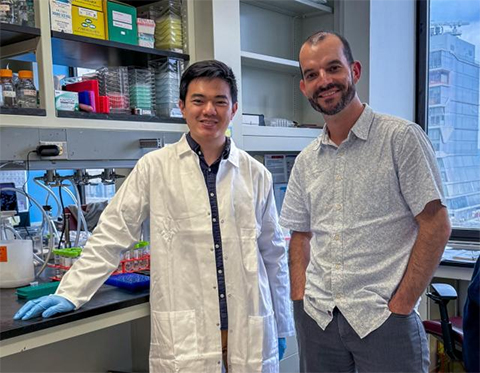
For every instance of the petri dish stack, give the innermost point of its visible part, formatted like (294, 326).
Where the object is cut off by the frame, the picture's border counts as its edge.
(169, 25)
(141, 88)
(167, 84)
(113, 82)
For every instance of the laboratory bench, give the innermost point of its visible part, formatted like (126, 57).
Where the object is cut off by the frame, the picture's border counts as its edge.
(112, 328)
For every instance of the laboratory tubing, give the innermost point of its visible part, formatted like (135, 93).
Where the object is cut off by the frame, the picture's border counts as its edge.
(26, 91)
(7, 12)
(8, 89)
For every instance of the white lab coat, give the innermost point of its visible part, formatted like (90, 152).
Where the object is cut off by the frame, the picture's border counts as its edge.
(168, 187)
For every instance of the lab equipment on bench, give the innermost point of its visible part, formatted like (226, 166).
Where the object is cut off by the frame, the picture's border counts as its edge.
(16, 255)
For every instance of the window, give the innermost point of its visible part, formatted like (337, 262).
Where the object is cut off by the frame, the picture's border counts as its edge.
(449, 107)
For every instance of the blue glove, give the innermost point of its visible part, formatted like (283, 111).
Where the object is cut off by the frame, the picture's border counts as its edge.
(48, 305)
(282, 346)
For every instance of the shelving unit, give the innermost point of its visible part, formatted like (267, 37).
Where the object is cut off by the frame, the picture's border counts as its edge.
(272, 32)
(48, 47)
(303, 8)
(80, 51)
(262, 61)
(12, 34)
(22, 111)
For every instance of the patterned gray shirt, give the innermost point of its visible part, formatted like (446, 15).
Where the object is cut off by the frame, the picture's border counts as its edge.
(360, 200)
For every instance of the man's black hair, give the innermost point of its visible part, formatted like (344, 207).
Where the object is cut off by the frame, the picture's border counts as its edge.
(210, 69)
(321, 35)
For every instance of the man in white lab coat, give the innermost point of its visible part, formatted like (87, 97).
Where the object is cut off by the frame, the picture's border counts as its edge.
(219, 273)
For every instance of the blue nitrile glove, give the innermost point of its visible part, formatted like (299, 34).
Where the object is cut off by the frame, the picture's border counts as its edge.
(47, 306)
(282, 346)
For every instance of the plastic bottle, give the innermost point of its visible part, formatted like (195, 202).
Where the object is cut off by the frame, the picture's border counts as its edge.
(8, 89)
(7, 14)
(21, 12)
(26, 91)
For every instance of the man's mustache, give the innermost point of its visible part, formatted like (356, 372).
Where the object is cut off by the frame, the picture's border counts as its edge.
(320, 90)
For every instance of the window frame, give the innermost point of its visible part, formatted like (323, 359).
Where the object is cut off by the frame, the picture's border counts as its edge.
(422, 88)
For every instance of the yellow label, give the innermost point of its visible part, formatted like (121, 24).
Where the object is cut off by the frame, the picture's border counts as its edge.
(3, 254)
(87, 22)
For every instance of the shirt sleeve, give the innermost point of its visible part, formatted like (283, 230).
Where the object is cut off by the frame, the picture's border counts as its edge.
(271, 244)
(418, 173)
(119, 228)
(295, 213)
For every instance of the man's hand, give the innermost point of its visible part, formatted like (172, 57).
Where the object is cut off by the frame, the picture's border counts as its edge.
(282, 346)
(47, 306)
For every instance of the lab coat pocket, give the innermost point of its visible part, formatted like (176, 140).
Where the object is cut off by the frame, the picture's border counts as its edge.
(249, 249)
(175, 334)
(262, 343)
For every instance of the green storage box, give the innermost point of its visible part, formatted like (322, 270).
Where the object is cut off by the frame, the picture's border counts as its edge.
(120, 22)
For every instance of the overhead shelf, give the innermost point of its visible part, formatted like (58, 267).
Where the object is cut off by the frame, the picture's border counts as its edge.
(119, 117)
(263, 61)
(11, 34)
(292, 7)
(81, 51)
(23, 111)
(271, 139)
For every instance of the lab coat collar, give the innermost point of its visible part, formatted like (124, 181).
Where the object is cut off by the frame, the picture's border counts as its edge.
(184, 148)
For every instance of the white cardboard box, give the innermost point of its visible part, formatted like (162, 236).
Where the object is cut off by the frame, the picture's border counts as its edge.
(61, 16)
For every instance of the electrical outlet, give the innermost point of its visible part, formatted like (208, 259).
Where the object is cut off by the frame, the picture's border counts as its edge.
(62, 146)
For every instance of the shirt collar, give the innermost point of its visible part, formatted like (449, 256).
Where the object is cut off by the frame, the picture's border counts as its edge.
(360, 129)
(230, 152)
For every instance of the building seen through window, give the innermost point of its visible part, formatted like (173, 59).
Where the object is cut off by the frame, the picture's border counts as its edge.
(453, 106)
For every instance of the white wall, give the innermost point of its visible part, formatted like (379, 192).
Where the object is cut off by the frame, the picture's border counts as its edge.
(392, 57)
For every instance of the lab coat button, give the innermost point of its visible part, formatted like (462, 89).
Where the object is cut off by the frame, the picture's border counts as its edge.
(229, 295)
(329, 313)
(222, 221)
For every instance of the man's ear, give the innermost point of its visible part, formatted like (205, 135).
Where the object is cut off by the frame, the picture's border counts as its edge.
(181, 105)
(356, 71)
(302, 87)
(234, 110)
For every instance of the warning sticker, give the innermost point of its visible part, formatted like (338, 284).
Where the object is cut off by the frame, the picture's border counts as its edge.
(3, 254)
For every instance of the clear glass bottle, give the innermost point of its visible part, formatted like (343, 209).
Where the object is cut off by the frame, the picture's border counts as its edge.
(26, 91)
(8, 89)
(31, 13)
(21, 10)
(7, 13)
(45, 227)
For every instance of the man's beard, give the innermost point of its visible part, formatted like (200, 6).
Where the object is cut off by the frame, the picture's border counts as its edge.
(347, 96)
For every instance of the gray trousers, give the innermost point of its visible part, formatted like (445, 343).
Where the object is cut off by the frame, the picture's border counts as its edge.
(398, 345)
